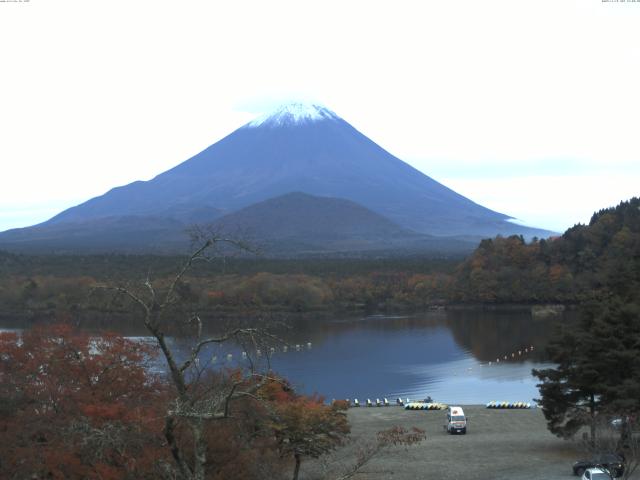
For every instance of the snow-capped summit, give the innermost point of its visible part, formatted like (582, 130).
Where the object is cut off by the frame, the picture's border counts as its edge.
(246, 180)
(294, 113)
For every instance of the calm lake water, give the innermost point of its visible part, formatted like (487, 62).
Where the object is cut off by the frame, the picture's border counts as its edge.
(448, 355)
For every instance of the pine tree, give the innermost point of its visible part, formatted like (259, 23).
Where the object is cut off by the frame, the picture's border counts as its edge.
(598, 368)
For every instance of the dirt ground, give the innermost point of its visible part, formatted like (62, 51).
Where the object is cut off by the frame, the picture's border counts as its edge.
(499, 444)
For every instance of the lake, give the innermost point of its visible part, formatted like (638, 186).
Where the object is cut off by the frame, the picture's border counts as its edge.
(454, 356)
(451, 356)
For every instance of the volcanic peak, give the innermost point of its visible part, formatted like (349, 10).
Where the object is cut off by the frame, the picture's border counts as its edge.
(294, 113)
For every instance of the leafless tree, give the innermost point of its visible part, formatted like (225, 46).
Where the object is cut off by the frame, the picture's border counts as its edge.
(350, 463)
(196, 401)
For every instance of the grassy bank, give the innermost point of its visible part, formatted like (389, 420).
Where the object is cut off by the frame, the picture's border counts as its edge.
(500, 444)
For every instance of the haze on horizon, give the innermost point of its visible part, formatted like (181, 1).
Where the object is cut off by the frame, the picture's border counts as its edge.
(529, 109)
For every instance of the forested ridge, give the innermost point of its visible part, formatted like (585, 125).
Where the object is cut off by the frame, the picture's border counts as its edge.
(596, 372)
(49, 285)
(586, 260)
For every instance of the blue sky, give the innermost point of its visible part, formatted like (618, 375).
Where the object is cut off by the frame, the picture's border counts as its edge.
(529, 108)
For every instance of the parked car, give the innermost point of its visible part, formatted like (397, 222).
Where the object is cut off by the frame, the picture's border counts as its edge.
(456, 421)
(609, 461)
(595, 474)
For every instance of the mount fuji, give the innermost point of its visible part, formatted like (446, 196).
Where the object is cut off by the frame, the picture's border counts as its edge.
(303, 148)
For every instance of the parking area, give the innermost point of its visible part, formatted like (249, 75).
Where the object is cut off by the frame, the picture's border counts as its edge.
(499, 444)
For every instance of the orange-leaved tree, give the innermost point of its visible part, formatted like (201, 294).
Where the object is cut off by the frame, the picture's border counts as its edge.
(74, 405)
(305, 427)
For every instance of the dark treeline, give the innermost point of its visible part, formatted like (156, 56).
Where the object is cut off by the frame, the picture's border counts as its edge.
(110, 266)
(60, 285)
(587, 259)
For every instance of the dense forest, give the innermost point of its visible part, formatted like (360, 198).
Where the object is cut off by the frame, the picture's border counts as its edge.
(586, 259)
(60, 286)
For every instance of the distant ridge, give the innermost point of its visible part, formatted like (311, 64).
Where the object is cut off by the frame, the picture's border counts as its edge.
(296, 148)
(298, 224)
(300, 215)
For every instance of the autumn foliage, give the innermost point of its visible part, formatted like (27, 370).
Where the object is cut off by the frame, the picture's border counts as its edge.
(77, 406)
(304, 426)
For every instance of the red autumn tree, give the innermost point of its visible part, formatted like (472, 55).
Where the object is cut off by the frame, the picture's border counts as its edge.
(77, 406)
(306, 427)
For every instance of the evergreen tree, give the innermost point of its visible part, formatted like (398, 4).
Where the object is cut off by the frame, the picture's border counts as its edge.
(598, 368)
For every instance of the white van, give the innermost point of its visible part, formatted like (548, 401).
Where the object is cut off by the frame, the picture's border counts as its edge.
(456, 421)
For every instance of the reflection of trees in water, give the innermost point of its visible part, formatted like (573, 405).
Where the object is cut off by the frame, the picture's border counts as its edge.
(492, 334)
(318, 331)
(486, 334)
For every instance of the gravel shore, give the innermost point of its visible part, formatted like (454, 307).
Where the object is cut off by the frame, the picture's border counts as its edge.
(499, 444)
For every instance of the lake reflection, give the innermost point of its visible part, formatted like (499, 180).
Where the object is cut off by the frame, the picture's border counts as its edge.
(449, 355)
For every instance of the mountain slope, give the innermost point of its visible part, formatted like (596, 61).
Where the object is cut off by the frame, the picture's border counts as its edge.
(127, 233)
(294, 224)
(315, 152)
(298, 148)
(299, 215)
(298, 223)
